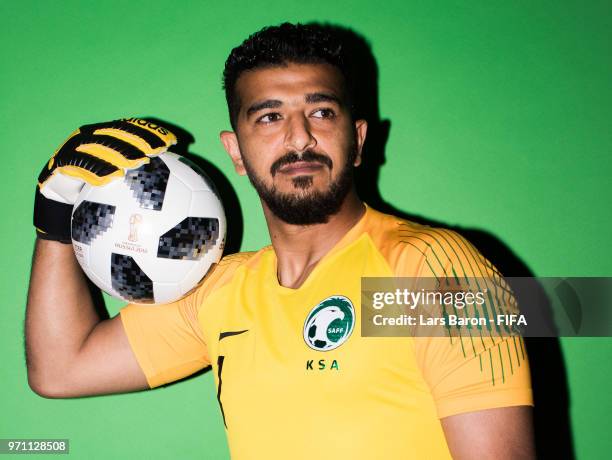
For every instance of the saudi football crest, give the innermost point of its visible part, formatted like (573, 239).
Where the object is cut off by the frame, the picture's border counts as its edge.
(329, 324)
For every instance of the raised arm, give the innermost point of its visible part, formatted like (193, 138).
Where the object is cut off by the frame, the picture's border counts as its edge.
(70, 351)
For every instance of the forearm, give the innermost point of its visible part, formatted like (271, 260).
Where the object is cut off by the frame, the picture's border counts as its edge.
(59, 317)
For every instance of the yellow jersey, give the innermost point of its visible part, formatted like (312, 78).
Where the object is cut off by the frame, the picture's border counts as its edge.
(287, 391)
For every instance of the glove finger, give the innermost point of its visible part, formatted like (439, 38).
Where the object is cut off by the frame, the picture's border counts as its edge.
(148, 137)
(79, 165)
(112, 150)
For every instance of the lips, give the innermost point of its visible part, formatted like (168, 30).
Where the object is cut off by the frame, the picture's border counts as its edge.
(307, 162)
(301, 167)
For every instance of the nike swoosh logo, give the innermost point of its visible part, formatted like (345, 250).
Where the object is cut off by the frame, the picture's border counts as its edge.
(230, 333)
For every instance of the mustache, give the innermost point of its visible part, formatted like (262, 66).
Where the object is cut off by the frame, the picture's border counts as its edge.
(307, 156)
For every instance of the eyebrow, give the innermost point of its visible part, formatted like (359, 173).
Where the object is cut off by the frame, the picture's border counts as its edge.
(311, 98)
(267, 104)
(314, 98)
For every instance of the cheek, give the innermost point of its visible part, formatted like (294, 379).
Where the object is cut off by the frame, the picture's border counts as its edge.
(262, 144)
(257, 158)
(338, 148)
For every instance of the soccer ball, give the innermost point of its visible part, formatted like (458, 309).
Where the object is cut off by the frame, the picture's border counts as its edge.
(151, 236)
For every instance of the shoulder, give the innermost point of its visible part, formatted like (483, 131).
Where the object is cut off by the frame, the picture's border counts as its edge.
(413, 249)
(222, 273)
(233, 261)
(229, 264)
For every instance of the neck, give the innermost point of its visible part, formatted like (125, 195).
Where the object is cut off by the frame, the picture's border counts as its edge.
(299, 248)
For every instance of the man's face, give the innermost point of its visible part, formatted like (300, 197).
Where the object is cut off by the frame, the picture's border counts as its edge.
(296, 140)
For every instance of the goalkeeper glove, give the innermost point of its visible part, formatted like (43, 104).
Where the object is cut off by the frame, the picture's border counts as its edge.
(96, 154)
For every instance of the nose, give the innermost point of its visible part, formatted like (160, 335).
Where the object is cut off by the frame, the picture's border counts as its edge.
(299, 137)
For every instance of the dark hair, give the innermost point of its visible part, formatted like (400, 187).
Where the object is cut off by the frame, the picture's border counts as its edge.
(279, 45)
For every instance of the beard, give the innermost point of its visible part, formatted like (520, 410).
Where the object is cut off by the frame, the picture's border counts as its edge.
(305, 207)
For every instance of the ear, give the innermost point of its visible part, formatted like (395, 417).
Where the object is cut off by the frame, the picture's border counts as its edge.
(361, 129)
(230, 143)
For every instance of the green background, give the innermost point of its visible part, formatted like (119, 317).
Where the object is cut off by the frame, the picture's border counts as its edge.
(500, 121)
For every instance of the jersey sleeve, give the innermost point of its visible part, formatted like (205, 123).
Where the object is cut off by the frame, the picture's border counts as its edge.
(466, 377)
(166, 339)
(472, 368)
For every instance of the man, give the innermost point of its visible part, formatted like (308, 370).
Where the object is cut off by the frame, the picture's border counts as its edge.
(285, 390)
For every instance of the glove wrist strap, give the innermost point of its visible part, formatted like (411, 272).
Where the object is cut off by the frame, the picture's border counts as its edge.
(52, 219)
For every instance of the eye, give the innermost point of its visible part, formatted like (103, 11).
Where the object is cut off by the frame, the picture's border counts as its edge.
(324, 112)
(269, 118)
